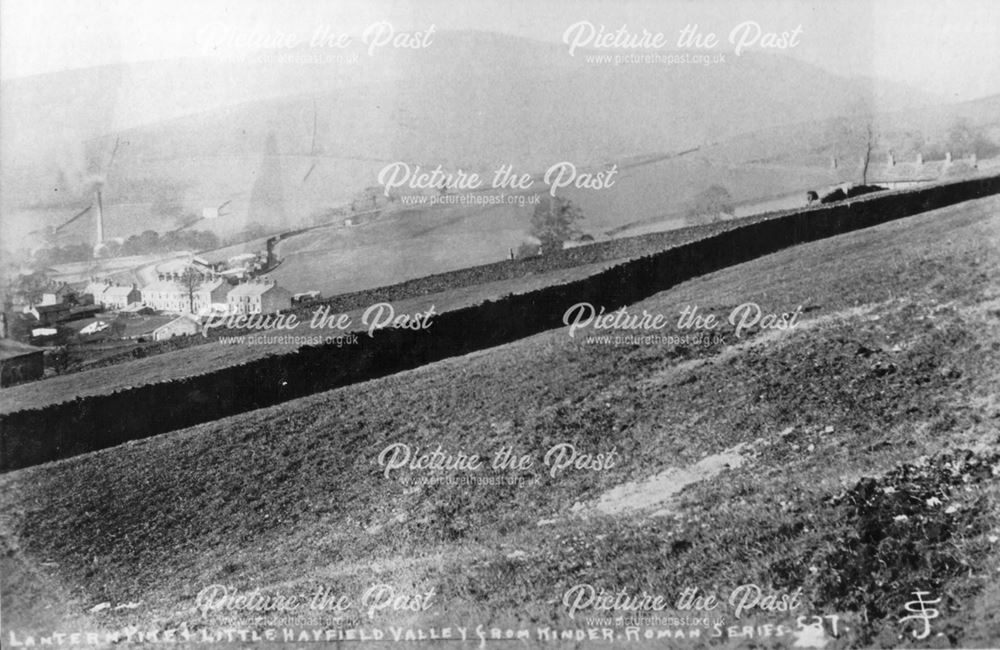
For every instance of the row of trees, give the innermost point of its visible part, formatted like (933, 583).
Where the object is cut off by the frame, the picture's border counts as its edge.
(150, 241)
(63, 254)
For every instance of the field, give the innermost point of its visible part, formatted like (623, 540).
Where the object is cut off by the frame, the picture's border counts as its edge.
(445, 291)
(205, 355)
(433, 240)
(853, 457)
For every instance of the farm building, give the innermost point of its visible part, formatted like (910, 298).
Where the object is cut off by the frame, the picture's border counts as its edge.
(49, 314)
(259, 296)
(184, 325)
(19, 362)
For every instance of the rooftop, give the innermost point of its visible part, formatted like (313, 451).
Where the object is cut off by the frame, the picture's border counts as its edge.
(210, 285)
(163, 286)
(59, 306)
(96, 288)
(10, 349)
(182, 317)
(119, 292)
(253, 289)
(142, 326)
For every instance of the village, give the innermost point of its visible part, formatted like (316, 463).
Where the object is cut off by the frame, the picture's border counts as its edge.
(105, 315)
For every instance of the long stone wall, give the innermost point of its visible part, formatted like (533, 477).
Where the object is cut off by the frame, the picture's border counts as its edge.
(35, 436)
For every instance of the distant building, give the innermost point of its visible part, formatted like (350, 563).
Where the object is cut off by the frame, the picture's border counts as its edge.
(259, 296)
(306, 296)
(166, 294)
(899, 175)
(19, 362)
(62, 293)
(94, 290)
(184, 325)
(141, 328)
(210, 296)
(50, 314)
(119, 297)
(170, 294)
(83, 311)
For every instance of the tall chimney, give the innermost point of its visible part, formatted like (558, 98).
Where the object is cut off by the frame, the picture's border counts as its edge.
(100, 219)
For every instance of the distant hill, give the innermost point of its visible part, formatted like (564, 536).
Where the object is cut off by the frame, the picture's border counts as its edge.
(192, 132)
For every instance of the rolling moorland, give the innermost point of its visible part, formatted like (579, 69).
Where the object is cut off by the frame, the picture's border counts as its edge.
(859, 456)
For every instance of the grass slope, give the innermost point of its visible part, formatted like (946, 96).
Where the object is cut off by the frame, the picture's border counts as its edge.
(881, 405)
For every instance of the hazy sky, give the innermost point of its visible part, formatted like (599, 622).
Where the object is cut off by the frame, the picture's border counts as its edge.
(948, 47)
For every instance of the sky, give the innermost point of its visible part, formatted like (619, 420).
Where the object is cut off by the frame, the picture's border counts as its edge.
(947, 47)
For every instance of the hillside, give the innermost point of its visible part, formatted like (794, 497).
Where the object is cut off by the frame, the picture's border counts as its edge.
(192, 133)
(445, 292)
(414, 242)
(853, 457)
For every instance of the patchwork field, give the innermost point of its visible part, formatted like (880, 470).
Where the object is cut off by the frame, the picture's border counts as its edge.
(853, 457)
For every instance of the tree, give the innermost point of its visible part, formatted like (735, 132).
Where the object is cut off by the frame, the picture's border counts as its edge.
(554, 221)
(31, 286)
(147, 241)
(191, 279)
(110, 248)
(853, 137)
(711, 205)
(527, 249)
(868, 144)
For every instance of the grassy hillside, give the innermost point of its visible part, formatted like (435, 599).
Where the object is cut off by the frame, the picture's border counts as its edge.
(192, 132)
(416, 242)
(861, 453)
(445, 291)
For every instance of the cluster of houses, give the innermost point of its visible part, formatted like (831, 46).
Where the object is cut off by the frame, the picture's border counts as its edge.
(173, 293)
(172, 305)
